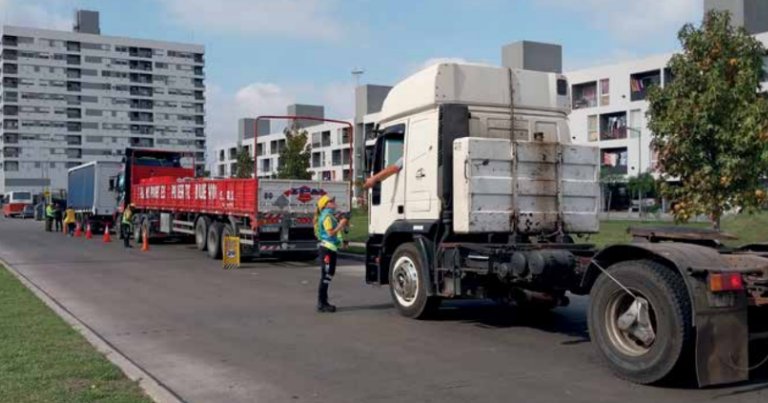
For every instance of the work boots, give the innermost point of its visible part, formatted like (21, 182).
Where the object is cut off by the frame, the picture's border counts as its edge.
(326, 307)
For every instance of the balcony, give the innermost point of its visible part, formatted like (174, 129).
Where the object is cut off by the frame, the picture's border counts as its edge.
(73, 59)
(640, 83)
(140, 52)
(613, 126)
(11, 152)
(9, 124)
(10, 82)
(73, 46)
(9, 68)
(9, 40)
(10, 54)
(74, 113)
(141, 142)
(74, 153)
(584, 95)
(614, 161)
(140, 65)
(74, 140)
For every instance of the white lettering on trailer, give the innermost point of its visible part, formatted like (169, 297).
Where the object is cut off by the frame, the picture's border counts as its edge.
(200, 191)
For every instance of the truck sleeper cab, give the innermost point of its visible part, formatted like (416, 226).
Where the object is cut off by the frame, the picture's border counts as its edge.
(488, 201)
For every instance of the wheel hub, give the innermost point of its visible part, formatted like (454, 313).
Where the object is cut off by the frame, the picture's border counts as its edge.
(405, 281)
(631, 323)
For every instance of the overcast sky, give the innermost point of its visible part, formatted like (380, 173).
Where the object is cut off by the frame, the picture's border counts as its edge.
(263, 54)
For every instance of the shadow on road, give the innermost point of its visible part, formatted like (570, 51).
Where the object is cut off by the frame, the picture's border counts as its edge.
(376, 307)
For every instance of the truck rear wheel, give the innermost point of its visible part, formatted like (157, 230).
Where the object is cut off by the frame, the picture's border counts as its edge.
(201, 232)
(406, 286)
(663, 305)
(214, 240)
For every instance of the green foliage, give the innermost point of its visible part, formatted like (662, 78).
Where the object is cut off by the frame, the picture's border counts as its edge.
(294, 158)
(710, 122)
(642, 185)
(244, 164)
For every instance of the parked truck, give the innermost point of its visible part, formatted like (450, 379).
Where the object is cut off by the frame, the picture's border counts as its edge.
(489, 201)
(271, 217)
(90, 193)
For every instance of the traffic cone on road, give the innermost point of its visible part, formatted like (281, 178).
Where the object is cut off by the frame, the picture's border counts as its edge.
(107, 238)
(88, 233)
(78, 230)
(145, 242)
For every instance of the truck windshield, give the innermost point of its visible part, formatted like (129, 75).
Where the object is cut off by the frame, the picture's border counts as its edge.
(21, 196)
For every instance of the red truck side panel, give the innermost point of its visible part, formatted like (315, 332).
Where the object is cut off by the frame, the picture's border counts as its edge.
(235, 197)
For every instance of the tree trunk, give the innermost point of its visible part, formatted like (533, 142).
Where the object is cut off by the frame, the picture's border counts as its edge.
(716, 216)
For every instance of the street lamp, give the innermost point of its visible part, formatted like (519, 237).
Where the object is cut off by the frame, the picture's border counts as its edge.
(639, 134)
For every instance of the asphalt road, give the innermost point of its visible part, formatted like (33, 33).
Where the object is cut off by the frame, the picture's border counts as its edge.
(252, 335)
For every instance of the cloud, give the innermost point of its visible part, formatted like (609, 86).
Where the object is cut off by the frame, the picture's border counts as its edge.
(632, 21)
(25, 13)
(312, 19)
(255, 99)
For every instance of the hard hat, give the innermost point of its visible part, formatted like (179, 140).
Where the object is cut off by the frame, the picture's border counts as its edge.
(324, 200)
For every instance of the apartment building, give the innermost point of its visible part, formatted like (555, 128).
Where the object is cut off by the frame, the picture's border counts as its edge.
(609, 102)
(74, 97)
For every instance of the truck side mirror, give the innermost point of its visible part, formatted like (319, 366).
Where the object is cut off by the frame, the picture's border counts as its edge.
(111, 184)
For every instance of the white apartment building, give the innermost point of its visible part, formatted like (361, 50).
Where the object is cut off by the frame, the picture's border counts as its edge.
(609, 109)
(74, 97)
(329, 144)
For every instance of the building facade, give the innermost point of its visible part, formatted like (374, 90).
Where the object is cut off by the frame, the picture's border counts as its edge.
(609, 109)
(74, 97)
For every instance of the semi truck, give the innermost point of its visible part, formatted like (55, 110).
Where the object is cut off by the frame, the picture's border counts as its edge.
(271, 217)
(90, 193)
(490, 200)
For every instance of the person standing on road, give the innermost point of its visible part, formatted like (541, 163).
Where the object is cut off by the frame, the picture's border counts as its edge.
(57, 217)
(126, 228)
(49, 216)
(69, 221)
(329, 232)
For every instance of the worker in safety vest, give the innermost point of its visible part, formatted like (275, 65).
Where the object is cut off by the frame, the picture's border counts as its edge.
(50, 212)
(126, 226)
(69, 221)
(329, 232)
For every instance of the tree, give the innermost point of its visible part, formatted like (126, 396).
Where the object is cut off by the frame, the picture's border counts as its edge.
(641, 185)
(711, 124)
(243, 164)
(294, 157)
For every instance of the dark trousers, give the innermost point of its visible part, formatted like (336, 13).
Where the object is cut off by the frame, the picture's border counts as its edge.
(71, 228)
(327, 270)
(48, 223)
(58, 224)
(127, 233)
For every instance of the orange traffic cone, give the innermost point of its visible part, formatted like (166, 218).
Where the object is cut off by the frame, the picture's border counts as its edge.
(78, 230)
(88, 233)
(107, 238)
(145, 242)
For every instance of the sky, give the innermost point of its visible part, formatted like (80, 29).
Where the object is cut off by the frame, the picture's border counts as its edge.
(262, 55)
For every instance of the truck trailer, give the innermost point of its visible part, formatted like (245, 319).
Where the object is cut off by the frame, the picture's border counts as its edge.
(272, 217)
(489, 201)
(90, 192)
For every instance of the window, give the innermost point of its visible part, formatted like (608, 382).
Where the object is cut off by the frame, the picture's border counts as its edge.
(613, 126)
(393, 150)
(592, 132)
(605, 92)
(639, 83)
(316, 139)
(614, 160)
(585, 95)
(635, 121)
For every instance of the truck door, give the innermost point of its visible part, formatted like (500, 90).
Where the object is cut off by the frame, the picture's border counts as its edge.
(386, 198)
(420, 168)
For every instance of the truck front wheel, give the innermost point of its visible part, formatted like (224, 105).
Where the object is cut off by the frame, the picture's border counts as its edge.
(406, 286)
(645, 336)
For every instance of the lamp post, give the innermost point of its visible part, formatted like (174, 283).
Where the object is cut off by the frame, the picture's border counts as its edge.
(639, 134)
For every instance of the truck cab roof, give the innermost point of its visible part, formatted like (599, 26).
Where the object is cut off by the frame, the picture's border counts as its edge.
(479, 85)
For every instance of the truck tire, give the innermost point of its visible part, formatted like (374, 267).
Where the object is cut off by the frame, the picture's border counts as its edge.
(670, 352)
(201, 232)
(408, 291)
(226, 230)
(214, 240)
(138, 226)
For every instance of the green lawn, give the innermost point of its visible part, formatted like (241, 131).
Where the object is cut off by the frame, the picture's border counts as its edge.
(749, 228)
(42, 359)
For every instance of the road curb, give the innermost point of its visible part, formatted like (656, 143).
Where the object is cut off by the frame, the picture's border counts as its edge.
(153, 387)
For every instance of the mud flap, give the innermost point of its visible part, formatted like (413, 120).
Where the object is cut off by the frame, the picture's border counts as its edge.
(426, 251)
(722, 345)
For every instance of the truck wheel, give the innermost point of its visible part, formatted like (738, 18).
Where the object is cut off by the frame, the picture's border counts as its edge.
(408, 290)
(137, 227)
(201, 232)
(226, 230)
(669, 315)
(214, 240)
